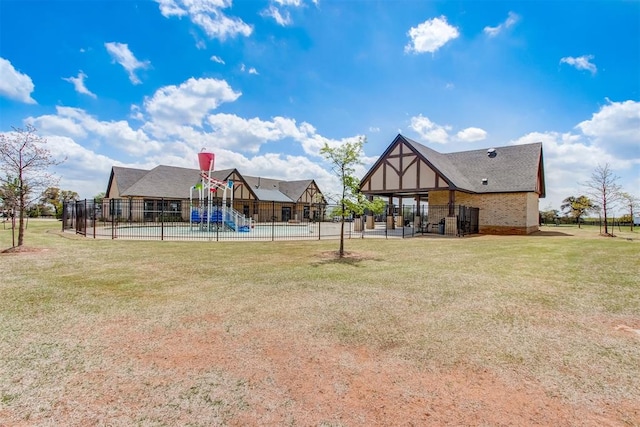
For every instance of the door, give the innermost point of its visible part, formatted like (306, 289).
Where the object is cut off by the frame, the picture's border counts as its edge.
(286, 213)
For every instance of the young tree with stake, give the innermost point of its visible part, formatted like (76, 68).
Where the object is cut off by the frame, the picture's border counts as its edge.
(344, 158)
(24, 159)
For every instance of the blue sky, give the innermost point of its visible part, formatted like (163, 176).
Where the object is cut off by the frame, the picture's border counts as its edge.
(264, 84)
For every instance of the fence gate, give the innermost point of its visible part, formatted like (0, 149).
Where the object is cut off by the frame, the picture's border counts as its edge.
(81, 217)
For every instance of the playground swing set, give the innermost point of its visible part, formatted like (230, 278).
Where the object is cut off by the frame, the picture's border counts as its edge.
(205, 215)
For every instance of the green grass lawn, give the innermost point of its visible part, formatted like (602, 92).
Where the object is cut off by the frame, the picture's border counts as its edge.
(543, 308)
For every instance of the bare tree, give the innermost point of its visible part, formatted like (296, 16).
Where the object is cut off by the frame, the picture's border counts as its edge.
(24, 159)
(632, 204)
(604, 188)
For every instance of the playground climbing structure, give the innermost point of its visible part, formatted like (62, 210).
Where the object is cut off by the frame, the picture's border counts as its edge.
(205, 213)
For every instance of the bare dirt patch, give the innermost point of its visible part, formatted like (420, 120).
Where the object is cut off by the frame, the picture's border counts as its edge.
(23, 250)
(202, 373)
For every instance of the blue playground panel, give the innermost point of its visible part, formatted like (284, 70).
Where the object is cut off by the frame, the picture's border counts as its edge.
(216, 217)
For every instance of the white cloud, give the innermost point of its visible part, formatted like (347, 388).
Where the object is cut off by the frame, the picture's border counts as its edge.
(250, 70)
(471, 134)
(568, 161)
(439, 134)
(14, 84)
(511, 20)
(610, 136)
(84, 171)
(189, 102)
(78, 84)
(121, 54)
(430, 36)
(295, 3)
(581, 63)
(78, 124)
(249, 134)
(616, 128)
(217, 59)
(208, 15)
(279, 10)
(282, 17)
(430, 131)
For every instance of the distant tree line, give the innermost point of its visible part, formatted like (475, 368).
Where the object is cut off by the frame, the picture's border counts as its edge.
(603, 196)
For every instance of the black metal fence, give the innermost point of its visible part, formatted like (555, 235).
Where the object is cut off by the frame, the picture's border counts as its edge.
(165, 219)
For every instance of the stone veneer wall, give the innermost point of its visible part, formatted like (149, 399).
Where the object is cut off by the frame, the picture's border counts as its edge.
(500, 213)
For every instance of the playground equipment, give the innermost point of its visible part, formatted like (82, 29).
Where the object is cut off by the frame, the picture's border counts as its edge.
(205, 214)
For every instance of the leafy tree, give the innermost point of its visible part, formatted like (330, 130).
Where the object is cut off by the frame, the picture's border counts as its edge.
(99, 197)
(603, 186)
(549, 215)
(631, 204)
(344, 158)
(577, 207)
(56, 198)
(376, 206)
(52, 196)
(25, 160)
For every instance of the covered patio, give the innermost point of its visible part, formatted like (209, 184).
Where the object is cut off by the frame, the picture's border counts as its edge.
(489, 191)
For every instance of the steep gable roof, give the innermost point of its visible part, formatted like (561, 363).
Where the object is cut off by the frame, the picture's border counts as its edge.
(267, 189)
(164, 181)
(514, 168)
(123, 178)
(295, 189)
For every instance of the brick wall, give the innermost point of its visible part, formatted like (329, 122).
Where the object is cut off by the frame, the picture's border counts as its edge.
(500, 213)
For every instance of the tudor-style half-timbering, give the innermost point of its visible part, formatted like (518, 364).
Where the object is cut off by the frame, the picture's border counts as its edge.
(253, 196)
(402, 170)
(312, 194)
(505, 183)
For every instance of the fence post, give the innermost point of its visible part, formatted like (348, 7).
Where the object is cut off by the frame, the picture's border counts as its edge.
(64, 214)
(273, 221)
(162, 218)
(85, 218)
(93, 214)
(114, 217)
(318, 218)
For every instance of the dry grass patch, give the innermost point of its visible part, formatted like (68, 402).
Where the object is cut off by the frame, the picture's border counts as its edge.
(488, 330)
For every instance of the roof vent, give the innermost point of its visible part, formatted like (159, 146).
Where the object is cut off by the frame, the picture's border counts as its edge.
(491, 152)
(485, 181)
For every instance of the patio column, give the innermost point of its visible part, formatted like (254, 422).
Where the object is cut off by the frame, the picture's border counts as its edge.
(416, 216)
(452, 202)
(390, 224)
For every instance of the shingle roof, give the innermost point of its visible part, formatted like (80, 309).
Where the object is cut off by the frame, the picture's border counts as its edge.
(174, 182)
(164, 181)
(125, 177)
(290, 191)
(295, 189)
(514, 168)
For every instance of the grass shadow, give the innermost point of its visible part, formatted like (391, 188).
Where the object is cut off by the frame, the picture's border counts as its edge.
(541, 233)
(350, 258)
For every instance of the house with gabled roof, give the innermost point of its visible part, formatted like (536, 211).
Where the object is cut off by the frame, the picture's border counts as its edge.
(139, 194)
(504, 183)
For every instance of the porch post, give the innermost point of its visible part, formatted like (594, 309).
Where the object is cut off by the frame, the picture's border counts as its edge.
(416, 216)
(390, 223)
(452, 202)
